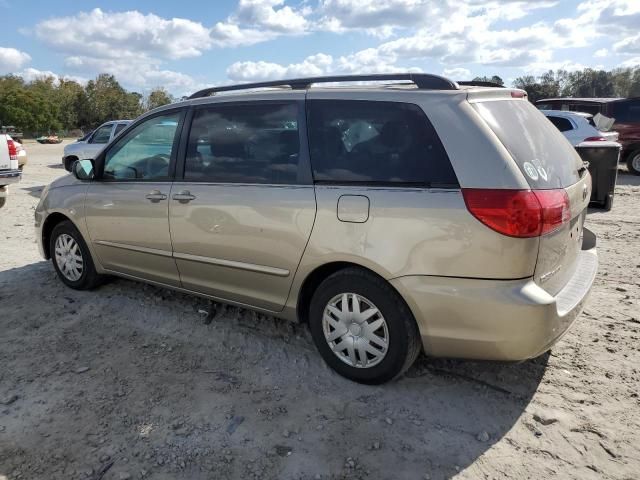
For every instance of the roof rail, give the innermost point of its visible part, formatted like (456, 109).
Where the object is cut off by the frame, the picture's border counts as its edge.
(423, 81)
(478, 83)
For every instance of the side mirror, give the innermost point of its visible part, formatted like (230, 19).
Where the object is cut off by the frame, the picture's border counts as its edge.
(83, 169)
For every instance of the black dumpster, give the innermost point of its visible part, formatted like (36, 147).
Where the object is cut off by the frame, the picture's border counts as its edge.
(603, 165)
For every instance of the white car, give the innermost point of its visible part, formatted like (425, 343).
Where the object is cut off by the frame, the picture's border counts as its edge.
(90, 147)
(9, 172)
(578, 127)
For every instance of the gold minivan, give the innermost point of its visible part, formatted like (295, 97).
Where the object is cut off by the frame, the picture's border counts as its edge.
(391, 218)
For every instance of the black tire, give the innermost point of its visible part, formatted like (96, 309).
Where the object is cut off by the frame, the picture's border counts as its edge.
(3, 200)
(403, 336)
(89, 278)
(630, 157)
(608, 203)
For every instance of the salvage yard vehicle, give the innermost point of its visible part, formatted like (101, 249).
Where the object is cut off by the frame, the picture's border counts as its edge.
(624, 111)
(390, 218)
(89, 147)
(9, 171)
(578, 127)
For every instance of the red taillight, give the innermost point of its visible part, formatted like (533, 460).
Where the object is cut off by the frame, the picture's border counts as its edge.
(595, 139)
(518, 94)
(556, 210)
(518, 213)
(13, 151)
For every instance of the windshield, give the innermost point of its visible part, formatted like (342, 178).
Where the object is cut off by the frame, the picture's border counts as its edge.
(543, 154)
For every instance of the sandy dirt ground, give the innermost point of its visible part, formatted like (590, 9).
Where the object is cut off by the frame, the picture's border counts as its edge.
(127, 382)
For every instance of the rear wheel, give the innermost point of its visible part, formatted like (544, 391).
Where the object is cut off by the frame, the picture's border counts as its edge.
(71, 257)
(362, 327)
(633, 162)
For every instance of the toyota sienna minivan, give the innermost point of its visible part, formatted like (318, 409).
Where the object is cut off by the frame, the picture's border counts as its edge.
(392, 218)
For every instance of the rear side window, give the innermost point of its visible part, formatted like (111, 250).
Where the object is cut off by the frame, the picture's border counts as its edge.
(375, 143)
(562, 124)
(543, 154)
(244, 143)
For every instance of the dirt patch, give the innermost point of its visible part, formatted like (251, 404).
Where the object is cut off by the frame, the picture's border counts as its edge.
(130, 382)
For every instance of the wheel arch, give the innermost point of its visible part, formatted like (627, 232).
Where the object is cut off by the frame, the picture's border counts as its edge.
(319, 274)
(49, 224)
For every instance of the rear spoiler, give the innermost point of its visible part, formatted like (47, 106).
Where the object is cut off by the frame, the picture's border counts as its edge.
(483, 94)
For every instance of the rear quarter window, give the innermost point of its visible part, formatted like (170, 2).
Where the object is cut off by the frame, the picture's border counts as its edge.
(545, 157)
(371, 142)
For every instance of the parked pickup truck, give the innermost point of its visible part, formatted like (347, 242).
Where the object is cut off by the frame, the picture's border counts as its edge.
(9, 172)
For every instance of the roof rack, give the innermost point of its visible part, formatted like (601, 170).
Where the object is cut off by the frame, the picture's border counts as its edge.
(423, 81)
(478, 83)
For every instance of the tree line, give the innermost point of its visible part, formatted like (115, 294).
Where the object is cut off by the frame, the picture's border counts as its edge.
(49, 105)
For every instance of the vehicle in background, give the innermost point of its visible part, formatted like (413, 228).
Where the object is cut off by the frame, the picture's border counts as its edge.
(93, 144)
(390, 218)
(22, 153)
(11, 130)
(9, 171)
(578, 127)
(624, 111)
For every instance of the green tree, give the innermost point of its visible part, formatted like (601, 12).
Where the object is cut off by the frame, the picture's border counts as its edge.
(493, 79)
(157, 98)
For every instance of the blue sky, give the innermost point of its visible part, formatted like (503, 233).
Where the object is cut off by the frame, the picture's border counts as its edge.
(186, 45)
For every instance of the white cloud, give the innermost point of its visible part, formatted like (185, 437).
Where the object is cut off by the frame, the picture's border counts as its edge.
(364, 61)
(629, 45)
(602, 52)
(12, 59)
(124, 34)
(258, 21)
(457, 73)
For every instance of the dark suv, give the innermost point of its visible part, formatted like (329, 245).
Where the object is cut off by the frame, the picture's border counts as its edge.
(625, 111)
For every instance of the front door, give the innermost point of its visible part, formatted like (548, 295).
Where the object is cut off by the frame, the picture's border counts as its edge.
(242, 213)
(127, 208)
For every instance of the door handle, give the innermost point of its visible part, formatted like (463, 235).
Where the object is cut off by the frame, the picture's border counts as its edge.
(184, 196)
(155, 196)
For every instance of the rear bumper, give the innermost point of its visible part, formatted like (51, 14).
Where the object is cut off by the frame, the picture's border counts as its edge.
(7, 177)
(496, 319)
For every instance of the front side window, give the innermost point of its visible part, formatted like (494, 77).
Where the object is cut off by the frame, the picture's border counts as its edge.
(353, 141)
(102, 134)
(244, 143)
(145, 152)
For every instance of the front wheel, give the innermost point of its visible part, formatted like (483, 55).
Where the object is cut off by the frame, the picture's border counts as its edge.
(71, 257)
(633, 162)
(362, 327)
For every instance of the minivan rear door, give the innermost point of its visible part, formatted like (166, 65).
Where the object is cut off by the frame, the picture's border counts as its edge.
(548, 162)
(242, 207)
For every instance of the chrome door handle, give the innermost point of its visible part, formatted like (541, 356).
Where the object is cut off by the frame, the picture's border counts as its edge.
(184, 196)
(155, 196)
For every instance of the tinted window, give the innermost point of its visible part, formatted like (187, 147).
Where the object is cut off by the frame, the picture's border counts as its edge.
(119, 128)
(251, 143)
(145, 152)
(545, 157)
(102, 134)
(591, 108)
(375, 142)
(562, 124)
(626, 112)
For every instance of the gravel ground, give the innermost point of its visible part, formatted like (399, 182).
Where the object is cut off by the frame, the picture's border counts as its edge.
(127, 382)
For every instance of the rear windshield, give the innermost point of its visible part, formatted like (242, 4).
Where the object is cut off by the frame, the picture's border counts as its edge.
(543, 154)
